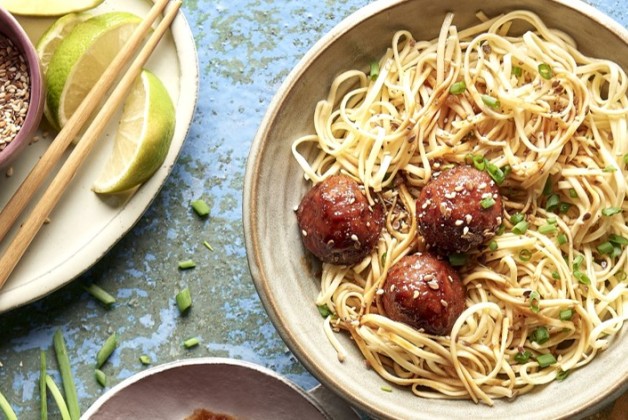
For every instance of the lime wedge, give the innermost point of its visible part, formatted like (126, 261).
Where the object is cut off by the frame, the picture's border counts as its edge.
(142, 139)
(50, 40)
(48, 7)
(81, 58)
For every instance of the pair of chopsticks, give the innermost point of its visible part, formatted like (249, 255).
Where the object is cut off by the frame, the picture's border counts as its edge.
(49, 160)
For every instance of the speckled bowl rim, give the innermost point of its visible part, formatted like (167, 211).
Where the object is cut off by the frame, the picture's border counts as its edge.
(255, 246)
(20, 38)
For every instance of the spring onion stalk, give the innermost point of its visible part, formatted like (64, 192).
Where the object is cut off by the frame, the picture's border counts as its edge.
(562, 375)
(520, 228)
(100, 294)
(101, 378)
(186, 264)
(547, 229)
(552, 202)
(43, 397)
(6, 408)
(611, 211)
(184, 301)
(516, 218)
(617, 239)
(63, 361)
(105, 351)
(496, 173)
(540, 335)
(522, 357)
(191, 342)
(208, 245)
(200, 207)
(517, 71)
(562, 239)
(56, 394)
(605, 248)
(323, 310)
(565, 314)
(487, 203)
(145, 360)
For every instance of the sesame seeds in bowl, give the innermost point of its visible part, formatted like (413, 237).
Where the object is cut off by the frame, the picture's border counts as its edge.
(21, 89)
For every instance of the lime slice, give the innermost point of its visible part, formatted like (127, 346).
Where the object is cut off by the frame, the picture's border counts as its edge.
(48, 7)
(81, 58)
(50, 40)
(142, 139)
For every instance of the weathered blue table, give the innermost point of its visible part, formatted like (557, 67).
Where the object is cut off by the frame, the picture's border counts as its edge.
(246, 48)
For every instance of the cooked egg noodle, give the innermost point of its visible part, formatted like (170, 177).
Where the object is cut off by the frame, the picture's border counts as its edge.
(567, 132)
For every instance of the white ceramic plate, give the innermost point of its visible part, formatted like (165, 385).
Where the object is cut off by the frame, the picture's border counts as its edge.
(84, 226)
(226, 386)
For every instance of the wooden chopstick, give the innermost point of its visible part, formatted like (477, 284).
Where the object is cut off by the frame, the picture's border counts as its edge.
(44, 166)
(27, 232)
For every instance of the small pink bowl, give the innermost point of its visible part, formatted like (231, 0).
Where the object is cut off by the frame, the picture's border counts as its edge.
(10, 28)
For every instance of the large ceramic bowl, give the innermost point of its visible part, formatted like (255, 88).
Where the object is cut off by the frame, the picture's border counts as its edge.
(10, 28)
(274, 185)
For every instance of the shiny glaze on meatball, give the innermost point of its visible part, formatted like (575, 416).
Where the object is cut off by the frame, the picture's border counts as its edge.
(424, 292)
(336, 222)
(459, 210)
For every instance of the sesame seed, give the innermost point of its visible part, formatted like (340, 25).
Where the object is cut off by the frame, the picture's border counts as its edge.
(379, 292)
(428, 277)
(482, 186)
(433, 285)
(458, 188)
(415, 294)
(465, 230)
(450, 195)
(468, 218)
(444, 303)
(304, 232)
(354, 237)
(459, 222)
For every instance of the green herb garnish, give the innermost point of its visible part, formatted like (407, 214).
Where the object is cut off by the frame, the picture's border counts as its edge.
(457, 88)
(545, 360)
(545, 71)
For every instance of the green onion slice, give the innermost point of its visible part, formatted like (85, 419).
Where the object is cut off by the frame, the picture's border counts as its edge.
(517, 71)
(191, 342)
(516, 218)
(184, 301)
(562, 375)
(200, 207)
(457, 88)
(493, 245)
(520, 228)
(540, 335)
(374, 70)
(105, 351)
(565, 314)
(186, 264)
(534, 301)
(553, 201)
(487, 203)
(100, 294)
(523, 356)
(606, 248)
(525, 255)
(610, 211)
(617, 239)
(562, 239)
(457, 260)
(145, 359)
(545, 71)
(101, 378)
(582, 277)
(491, 101)
(324, 310)
(573, 193)
(545, 360)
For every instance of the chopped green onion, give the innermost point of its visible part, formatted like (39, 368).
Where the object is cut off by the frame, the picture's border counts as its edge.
(517, 71)
(573, 193)
(523, 356)
(617, 239)
(626, 159)
(621, 275)
(457, 260)
(547, 188)
(43, 397)
(547, 229)
(552, 202)
(534, 301)
(6, 408)
(63, 361)
(616, 251)
(457, 88)
(145, 360)
(609, 168)
(562, 375)
(101, 378)
(552, 220)
(577, 261)
(582, 277)
(562, 239)
(501, 229)
(555, 275)
(540, 335)
(545, 71)
(186, 264)
(520, 228)
(605, 248)
(105, 351)
(493, 245)
(374, 70)
(386, 388)
(200, 207)
(496, 173)
(516, 218)
(383, 259)
(207, 245)
(56, 394)
(191, 342)
(100, 294)
(491, 101)
(564, 207)
(184, 301)
(525, 255)
(610, 211)
(487, 203)
(545, 360)
(478, 161)
(324, 310)
(565, 314)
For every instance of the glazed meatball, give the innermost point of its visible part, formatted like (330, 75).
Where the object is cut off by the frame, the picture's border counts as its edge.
(424, 292)
(337, 223)
(459, 210)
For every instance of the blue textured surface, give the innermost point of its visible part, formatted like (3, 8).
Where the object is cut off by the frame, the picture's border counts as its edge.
(246, 48)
